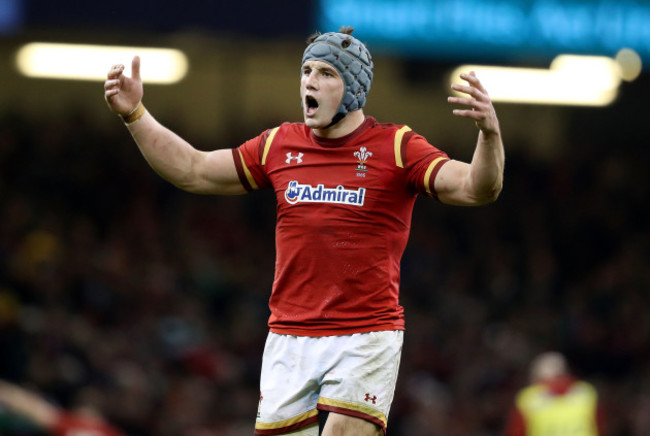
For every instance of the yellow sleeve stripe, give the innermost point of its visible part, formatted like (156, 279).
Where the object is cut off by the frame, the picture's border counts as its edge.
(267, 145)
(249, 176)
(286, 423)
(356, 407)
(427, 174)
(398, 145)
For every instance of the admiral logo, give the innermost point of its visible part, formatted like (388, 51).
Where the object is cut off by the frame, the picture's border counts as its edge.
(298, 193)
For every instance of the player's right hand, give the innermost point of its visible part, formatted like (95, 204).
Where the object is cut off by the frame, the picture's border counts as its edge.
(123, 94)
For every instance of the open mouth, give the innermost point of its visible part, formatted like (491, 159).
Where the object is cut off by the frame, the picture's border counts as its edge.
(311, 105)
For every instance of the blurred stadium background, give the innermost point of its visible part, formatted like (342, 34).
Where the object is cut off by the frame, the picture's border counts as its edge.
(119, 290)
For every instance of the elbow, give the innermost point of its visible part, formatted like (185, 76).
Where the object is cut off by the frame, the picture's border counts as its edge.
(494, 193)
(485, 188)
(187, 185)
(489, 195)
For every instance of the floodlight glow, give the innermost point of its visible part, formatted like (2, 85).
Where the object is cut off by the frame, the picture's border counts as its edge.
(630, 63)
(570, 80)
(92, 62)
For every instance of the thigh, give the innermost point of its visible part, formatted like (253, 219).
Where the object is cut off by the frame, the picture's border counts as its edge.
(345, 425)
(310, 430)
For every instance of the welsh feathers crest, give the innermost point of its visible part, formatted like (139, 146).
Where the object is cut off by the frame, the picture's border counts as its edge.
(363, 155)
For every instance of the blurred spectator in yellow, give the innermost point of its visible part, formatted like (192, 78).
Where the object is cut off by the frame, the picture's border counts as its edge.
(555, 403)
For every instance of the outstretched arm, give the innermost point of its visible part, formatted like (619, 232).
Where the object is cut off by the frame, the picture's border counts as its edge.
(28, 404)
(480, 181)
(173, 158)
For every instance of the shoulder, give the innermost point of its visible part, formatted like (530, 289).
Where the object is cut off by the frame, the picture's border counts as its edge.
(396, 134)
(294, 127)
(284, 130)
(400, 133)
(388, 128)
(527, 394)
(586, 387)
(408, 146)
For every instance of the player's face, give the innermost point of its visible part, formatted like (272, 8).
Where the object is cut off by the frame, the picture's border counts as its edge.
(321, 90)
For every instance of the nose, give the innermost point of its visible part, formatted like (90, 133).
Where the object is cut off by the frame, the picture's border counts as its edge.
(311, 81)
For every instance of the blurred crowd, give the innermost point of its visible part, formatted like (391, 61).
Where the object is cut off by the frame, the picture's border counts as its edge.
(121, 292)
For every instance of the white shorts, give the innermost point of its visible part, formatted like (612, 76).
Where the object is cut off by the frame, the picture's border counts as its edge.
(352, 375)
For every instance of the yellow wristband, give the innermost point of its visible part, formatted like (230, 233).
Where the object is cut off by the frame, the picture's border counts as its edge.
(134, 115)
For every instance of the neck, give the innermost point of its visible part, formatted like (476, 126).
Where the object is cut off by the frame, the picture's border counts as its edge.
(347, 125)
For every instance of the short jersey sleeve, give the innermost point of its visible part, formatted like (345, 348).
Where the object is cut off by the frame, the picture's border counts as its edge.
(422, 162)
(249, 160)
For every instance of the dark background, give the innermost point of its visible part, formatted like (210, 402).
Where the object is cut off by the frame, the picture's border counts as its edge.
(120, 291)
(256, 18)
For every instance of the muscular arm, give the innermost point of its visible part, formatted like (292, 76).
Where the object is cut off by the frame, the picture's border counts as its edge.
(480, 181)
(173, 158)
(178, 162)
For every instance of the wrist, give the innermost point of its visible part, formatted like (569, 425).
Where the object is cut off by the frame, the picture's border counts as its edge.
(134, 115)
(491, 135)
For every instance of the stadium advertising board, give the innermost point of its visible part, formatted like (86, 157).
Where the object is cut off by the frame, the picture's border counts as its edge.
(493, 30)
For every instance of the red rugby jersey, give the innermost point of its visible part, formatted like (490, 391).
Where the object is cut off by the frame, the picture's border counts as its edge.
(344, 210)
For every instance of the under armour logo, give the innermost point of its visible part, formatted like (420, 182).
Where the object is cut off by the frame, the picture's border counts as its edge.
(297, 158)
(369, 398)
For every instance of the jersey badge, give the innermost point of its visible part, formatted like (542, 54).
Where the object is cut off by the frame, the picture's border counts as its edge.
(290, 158)
(362, 155)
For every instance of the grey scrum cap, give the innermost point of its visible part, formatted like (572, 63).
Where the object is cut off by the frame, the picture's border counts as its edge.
(352, 60)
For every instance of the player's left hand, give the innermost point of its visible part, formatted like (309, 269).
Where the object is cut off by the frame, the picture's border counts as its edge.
(123, 94)
(478, 104)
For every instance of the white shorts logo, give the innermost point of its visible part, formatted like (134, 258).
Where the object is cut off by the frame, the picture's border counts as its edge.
(298, 193)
